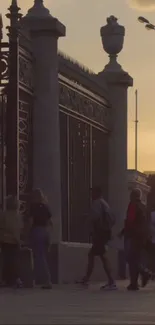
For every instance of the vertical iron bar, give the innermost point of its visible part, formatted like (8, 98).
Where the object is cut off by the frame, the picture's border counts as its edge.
(136, 130)
(68, 177)
(3, 150)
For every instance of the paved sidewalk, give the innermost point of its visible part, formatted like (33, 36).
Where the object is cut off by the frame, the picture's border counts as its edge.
(75, 305)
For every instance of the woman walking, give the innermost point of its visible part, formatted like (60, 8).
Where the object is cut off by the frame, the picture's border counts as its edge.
(40, 237)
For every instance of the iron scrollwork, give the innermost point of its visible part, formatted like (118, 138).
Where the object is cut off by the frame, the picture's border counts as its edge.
(26, 92)
(23, 146)
(4, 57)
(84, 105)
(26, 72)
(23, 167)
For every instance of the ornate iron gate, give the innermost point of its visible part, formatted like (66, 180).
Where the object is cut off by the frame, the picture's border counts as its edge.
(84, 155)
(3, 106)
(18, 116)
(99, 145)
(25, 122)
(79, 178)
(4, 54)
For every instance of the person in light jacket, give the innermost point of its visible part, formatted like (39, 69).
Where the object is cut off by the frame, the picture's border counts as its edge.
(10, 231)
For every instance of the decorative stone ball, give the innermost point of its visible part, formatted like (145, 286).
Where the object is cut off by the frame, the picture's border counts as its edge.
(112, 36)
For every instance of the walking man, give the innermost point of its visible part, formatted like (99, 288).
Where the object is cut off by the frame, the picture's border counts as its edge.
(101, 222)
(135, 238)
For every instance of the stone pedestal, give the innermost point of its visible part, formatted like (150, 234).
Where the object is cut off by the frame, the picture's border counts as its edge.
(118, 82)
(45, 31)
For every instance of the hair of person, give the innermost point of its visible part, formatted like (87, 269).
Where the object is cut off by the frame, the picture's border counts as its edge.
(153, 206)
(39, 193)
(97, 190)
(136, 194)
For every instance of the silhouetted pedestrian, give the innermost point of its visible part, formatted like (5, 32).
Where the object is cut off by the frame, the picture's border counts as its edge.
(40, 237)
(102, 222)
(10, 231)
(135, 238)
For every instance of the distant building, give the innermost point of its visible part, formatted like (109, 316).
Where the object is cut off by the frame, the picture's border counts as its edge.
(151, 195)
(138, 180)
(149, 172)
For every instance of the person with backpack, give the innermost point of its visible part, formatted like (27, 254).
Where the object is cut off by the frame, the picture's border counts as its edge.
(136, 236)
(102, 222)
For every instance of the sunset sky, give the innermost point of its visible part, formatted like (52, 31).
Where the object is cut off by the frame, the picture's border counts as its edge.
(83, 19)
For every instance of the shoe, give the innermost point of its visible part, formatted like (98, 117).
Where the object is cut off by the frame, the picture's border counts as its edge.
(145, 279)
(109, 287)
(83, 282)
(4, 285)
(18, 284)
(47, 287)
(132, 287)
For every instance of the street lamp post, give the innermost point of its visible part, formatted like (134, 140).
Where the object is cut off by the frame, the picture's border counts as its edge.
(147, 23)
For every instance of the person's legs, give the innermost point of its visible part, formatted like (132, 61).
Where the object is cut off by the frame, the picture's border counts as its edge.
(6, 280)
(45, 268)
(152, 260)
(14, 261)
(145, 269)
(134, 257)
(133, 274)
(40, 253)
(107, 268)
(90, 266)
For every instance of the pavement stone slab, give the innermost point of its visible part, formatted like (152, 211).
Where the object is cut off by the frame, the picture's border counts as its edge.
(71, 304)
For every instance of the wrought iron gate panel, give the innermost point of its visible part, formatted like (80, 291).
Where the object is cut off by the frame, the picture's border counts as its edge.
(64, 175)
(25, 148)
(3, 107)
(16, 82)
(12, 120)
(84, 131)
(25, 121)
(100, 160)
(4, 54)
(19, 120)
(4, 76)
(79, 175)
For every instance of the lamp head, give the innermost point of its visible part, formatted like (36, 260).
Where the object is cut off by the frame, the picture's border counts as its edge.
(150, 27)
(143, 20)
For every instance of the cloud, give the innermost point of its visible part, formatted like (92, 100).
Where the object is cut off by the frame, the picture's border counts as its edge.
(147, 5)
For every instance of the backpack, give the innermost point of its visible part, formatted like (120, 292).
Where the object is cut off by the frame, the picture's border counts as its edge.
(108, 219)
(10, 227)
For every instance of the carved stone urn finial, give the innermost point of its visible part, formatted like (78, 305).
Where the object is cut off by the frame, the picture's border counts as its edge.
(112, 20)
(112, 39)
(38, 10)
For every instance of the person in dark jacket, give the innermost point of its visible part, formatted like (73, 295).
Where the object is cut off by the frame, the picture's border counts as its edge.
(41, 225)
(135, 233)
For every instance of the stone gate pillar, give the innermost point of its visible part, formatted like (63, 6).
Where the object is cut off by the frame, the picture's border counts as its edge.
(45, 31)
(118, 82)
